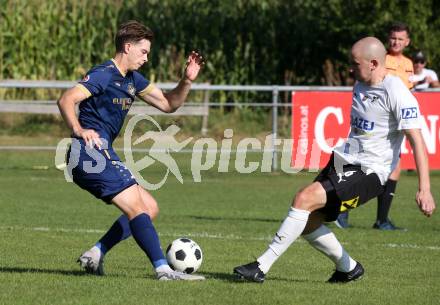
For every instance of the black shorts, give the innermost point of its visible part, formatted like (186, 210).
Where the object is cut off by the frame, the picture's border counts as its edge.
(347, 190)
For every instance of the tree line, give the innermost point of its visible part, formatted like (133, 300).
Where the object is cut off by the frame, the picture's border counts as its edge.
(290, 42)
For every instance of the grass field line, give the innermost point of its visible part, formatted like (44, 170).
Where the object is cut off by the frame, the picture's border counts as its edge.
(172, 234)
(200, 235)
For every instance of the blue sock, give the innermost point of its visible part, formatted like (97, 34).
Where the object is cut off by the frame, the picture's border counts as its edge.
(119, 231)
(146, 237)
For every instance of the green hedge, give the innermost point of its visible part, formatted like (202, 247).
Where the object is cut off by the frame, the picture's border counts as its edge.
(245, 42)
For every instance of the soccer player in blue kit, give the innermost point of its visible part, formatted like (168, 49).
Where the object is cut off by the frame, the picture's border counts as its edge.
(105, 96)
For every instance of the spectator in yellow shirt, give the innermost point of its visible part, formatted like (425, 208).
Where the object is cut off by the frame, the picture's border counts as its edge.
(396, 63)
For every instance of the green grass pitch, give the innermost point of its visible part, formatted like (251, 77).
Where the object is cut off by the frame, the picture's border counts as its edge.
(45, 224)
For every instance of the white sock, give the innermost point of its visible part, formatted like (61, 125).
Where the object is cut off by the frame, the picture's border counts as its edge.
(290, 230)
(164, 268)
(325, 241)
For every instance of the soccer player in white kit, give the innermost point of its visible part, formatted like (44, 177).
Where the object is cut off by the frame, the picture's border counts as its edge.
(383, 111)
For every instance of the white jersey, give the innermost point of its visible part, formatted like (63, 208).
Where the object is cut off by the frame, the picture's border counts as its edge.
(419, 77)
(378, 115)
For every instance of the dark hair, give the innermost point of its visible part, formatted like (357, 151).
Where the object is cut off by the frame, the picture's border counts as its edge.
(398, 27)
(131, 31)
(418, 56)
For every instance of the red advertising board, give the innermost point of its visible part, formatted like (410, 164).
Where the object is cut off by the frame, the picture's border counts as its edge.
(321, 120)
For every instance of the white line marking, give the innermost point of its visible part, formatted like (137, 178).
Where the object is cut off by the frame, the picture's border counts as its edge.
(409, 246)
(170, 234)
(200, 235)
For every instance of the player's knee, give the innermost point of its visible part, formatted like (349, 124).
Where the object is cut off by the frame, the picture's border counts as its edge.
(151, 207)
(305, 200)
(136, 208)
(301, 200)
(153, 211)
(149, 203)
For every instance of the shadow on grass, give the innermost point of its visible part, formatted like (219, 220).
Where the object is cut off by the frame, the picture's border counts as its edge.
(368, 228)
(227, 277)
(214, 218)
(230, 277)
(41, 270)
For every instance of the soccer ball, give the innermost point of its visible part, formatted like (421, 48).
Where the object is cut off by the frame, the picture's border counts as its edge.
(184, 255)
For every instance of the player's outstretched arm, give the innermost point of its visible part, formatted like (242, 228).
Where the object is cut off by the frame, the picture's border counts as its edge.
(194, 63)
(66, 104)
(172, 100)
(424, 198)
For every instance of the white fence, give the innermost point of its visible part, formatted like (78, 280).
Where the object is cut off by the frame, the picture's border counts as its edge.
(200, 109)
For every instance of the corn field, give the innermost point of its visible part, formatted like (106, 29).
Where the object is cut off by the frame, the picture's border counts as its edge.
(297, 42)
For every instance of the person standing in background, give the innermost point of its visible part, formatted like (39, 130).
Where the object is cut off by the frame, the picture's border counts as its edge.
(423, 78)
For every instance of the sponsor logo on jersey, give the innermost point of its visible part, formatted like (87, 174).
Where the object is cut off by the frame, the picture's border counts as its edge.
(131, 90)
(124, 102)
(362, 123)
(366, 98)
(409, 113)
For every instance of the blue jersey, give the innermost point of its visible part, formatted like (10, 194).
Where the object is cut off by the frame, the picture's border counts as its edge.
(110, 96)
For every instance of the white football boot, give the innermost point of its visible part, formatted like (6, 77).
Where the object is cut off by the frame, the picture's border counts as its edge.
(92, 261)
(178, 276)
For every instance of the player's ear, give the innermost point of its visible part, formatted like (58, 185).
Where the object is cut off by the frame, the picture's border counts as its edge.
(374, 63)
(408, 40)
(127, 47)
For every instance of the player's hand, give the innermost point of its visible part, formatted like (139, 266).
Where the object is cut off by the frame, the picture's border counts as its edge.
(90, 136)
(193, 65)
(428, 79)
(426, 203)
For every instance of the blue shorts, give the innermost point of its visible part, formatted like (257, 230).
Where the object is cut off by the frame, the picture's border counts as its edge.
(98, 171)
